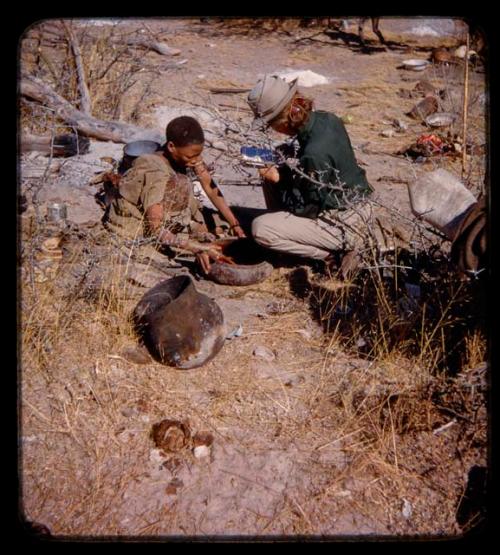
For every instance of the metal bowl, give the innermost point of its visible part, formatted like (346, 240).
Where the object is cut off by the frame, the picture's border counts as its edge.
(415, 64)
(440, 119)
(138, 148)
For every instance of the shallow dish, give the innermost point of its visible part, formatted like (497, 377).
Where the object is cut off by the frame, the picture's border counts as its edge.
(415, 64)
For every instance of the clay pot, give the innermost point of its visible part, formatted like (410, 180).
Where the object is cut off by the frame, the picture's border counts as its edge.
(248, 268)
(179, 326)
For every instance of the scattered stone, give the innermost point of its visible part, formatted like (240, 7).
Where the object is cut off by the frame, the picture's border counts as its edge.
(235, 333)
(173, 486)
(400, 125)
(264, 352)
(203, 438)
(128, 412)
(429, 105)
(361, 342)
(388, 133)
(407, 509)
(201, 451)
(136, 355)
(306, 334)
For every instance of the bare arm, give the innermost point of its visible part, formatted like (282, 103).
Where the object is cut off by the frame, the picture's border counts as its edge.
(154, 220)
(204, 253)
(216, 197)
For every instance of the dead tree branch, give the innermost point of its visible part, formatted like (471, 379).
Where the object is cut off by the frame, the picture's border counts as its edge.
(85, 102)
(149, 44)
(115, 131)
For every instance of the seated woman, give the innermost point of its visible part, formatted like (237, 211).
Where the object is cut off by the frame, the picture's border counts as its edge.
(156, 196)
(321, 204)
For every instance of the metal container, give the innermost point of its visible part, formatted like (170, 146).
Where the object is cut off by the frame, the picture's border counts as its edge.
(138, 148)
(257, 157)
(57, 213)
(415, 64)
(135, 149)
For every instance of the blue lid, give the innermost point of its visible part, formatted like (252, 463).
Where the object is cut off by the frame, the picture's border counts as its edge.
(264, 154)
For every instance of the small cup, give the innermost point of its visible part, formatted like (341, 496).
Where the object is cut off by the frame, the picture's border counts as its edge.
(57, 213)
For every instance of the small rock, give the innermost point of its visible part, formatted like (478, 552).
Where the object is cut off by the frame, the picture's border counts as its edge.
(219, 145)
(344, 493)
(128, 412)
(235, 333)
(400, 125)
(136, 354)
(407, 509)
(360, 343)
(29, 439)
(388, 133)
(201, 451)
(203, 438)
(264, 352)
(306, 334)
(173, 486)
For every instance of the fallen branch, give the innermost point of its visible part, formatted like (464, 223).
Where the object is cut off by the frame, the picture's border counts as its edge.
(111, 130)
(85, 102)
(159, 47)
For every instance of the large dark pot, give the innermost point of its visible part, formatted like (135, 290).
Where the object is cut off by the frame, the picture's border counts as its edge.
(180, 326)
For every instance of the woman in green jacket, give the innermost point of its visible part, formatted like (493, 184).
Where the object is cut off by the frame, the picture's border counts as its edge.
(321, 204)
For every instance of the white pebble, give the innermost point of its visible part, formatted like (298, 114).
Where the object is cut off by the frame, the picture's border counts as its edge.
(264, 352)
(201, 451)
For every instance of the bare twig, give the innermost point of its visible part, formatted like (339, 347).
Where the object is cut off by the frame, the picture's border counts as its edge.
(466, 97)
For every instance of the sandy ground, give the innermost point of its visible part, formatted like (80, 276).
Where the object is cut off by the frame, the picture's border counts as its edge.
(282, 462)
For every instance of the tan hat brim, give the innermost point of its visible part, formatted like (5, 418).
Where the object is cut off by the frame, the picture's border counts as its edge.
(264, 119)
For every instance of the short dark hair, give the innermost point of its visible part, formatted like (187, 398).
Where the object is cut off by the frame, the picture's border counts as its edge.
(185, 130)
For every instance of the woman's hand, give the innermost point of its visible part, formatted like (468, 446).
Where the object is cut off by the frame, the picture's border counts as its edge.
(270, 174)
(238, 231)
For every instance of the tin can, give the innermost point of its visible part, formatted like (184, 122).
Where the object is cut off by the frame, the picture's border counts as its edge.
(257, 157)
(57, 213)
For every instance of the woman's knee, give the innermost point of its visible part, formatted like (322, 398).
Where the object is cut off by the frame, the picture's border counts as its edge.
(263, 231)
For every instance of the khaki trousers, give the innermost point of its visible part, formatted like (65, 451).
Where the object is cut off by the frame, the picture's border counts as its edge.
(312, 238)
